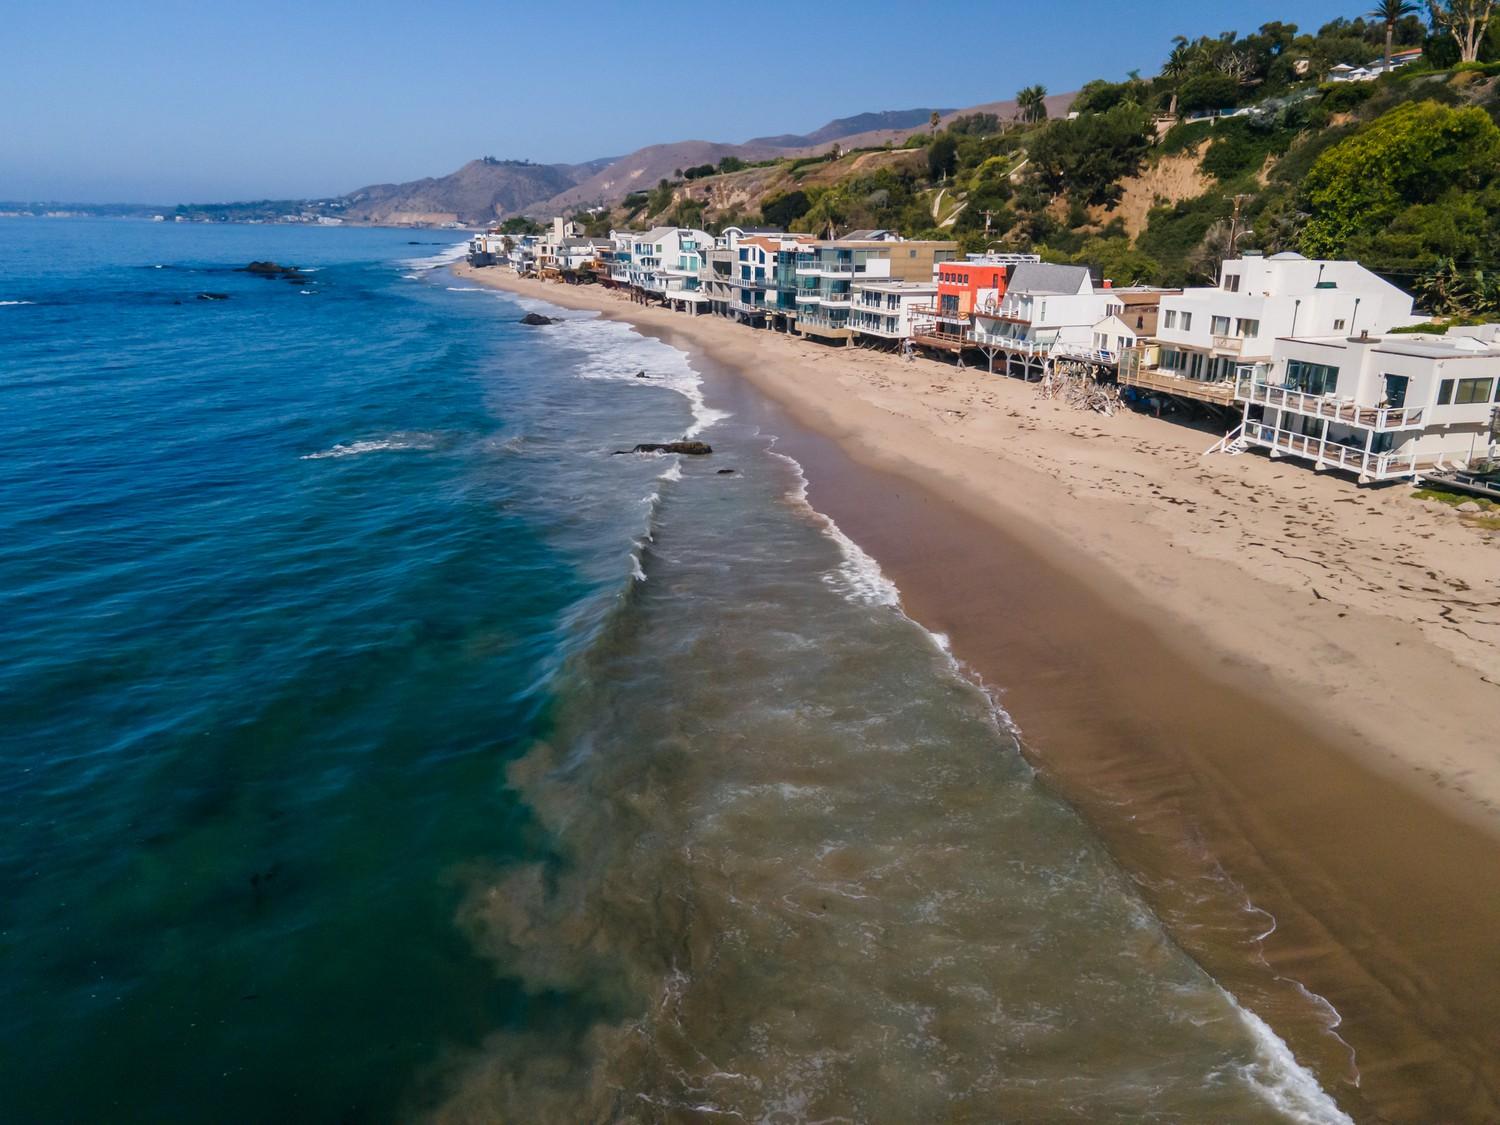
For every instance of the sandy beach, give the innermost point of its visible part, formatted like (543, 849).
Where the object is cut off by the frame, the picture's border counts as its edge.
(1275, 694)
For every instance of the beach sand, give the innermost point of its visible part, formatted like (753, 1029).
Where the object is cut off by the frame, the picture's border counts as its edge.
(1276, 695)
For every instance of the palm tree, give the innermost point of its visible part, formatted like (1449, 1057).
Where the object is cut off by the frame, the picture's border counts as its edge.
(1032, 101)
(1390, 13)
(933, 121)
(1178, 63)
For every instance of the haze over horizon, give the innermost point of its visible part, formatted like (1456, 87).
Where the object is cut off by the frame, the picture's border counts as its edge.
(167, 102)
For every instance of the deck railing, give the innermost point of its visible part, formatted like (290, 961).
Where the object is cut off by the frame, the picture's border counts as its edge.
(1326, 406)
(1369, 465)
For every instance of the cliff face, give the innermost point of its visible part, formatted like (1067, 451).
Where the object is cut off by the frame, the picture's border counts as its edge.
(479, 191)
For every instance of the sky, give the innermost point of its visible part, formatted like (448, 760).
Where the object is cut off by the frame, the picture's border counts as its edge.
(165, 102)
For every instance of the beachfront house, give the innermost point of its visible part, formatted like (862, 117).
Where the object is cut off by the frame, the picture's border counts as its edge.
(1205, 336)
(826, 270)
(1047, 311)
(1382, 406)
(488, 248)
(882, 310)
(947, 323)
(763, 282)
(665, 264)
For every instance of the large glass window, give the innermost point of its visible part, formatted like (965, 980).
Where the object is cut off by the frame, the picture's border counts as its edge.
(1220, 326)
(1171, 318)
(1472, 390)
(1311, 378)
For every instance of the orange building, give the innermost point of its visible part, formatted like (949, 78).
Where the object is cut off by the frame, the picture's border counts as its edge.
(961, 287)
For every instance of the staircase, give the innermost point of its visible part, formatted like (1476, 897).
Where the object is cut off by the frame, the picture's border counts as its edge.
(1233, 443)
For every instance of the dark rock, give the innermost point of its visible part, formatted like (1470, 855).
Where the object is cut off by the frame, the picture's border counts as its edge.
(692, 448)
(537, 318)
(726, 472)
(641, 375)
(213, 296)
(276, 272)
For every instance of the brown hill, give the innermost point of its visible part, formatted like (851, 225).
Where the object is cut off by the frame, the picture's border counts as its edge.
(478, 192)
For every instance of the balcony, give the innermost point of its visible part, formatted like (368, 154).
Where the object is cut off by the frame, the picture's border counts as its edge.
(1220, 393)
(808, 296)
(825, 269)
(1329, 454)
(1380, 418)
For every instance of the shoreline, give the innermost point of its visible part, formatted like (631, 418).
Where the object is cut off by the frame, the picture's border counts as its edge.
(1275, 827)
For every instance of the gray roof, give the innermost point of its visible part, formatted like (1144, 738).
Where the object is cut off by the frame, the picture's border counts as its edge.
(864, 235)
(1044, 277)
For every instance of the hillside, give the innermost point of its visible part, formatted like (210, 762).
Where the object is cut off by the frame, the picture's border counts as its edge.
(839, 128)
(480, 191)
(1237, 144)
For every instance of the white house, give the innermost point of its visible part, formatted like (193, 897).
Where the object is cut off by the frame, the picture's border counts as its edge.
(881, 308)
(665, 262)
(1206, 335)
(1382, 406)
(1047, 311)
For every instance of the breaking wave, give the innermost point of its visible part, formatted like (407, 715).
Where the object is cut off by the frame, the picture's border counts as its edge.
(394, 443)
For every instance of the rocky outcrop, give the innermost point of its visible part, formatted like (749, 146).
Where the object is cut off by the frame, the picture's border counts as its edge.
(275, 271)
(691, 448)
(537, 318)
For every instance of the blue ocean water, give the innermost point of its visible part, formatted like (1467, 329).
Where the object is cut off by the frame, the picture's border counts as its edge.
(376, 745)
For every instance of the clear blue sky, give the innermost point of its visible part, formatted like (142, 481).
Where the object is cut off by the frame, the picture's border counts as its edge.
(164, 102)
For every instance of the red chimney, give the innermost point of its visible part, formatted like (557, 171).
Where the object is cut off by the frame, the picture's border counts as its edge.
(1109, 283)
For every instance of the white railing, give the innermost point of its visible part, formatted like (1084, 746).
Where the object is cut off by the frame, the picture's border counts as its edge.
(1326, 406)
(814, 269)
(1368, 465)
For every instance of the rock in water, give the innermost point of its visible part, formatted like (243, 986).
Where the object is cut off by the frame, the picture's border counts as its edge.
(213, 296)
(537, 318)
(276, 271)
(691, 448)
(641, 375)
(726, 472)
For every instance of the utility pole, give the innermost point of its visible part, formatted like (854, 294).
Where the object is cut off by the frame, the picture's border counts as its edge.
(1234, 223)
(988, 215)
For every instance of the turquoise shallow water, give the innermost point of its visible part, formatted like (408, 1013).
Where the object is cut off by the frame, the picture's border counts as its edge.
(377, 745)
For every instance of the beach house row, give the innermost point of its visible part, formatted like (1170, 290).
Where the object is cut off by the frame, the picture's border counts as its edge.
(1303, 358)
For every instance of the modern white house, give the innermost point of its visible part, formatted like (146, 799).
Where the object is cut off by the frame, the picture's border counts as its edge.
(882, 309)
(1205, 336)
(761, 285)
(665, 263)
(1048, 312)
(1381, 406)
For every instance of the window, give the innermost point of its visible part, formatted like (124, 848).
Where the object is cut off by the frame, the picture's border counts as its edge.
(1311, 378)
(1338, 325)
(1232, 282)
(1140, 323)
(1243, 327)
(1220, 326)
(1171, 318)
(1471, 391)
(1187, 321)
(1445, 392)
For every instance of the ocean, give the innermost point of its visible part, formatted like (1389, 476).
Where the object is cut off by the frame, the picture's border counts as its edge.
(379, 745)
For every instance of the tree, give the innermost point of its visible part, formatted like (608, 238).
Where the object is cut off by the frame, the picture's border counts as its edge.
(1390, 13)
(942, 158)
(1466, 21)
(1088, 156)
(783, 210)
(1209, 91)
(1414, 155)
(1032, 102)
(1176, 68)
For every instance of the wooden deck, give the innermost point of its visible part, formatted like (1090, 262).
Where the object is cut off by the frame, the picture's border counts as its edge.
(1163, 382)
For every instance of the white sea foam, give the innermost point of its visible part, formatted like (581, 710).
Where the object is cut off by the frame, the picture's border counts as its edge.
(411, 277)
(17, 302)
(674, 471)
(615, 351)
(394, 443)
(858, 575)
(1281, 1081)
(446, 257)
(469, 289)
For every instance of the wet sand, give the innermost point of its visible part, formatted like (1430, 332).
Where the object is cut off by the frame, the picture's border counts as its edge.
(1269, 839)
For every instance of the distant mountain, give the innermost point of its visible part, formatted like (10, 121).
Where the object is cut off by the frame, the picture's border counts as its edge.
(841, 127)
(644, 168)
(480, 191)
